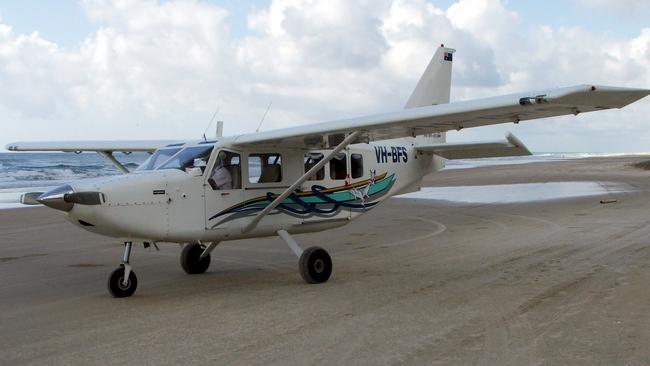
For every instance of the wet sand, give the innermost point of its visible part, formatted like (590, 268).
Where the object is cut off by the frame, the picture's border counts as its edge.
(415, 282)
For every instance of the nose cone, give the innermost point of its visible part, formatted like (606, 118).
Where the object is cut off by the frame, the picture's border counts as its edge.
(55, 198)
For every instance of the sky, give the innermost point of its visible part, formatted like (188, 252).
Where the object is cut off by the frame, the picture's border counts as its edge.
(146, 69)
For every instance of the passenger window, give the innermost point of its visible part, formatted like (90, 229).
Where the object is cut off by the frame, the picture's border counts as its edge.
(264, 168)
(356, 165)
(226, 173)
(311, 159)
(338, 167)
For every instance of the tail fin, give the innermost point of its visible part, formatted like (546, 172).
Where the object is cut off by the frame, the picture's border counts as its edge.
(435, 84)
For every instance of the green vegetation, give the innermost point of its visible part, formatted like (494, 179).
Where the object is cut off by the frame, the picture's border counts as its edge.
(645, 165)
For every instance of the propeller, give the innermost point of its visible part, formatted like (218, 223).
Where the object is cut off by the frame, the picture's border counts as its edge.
(63, 198)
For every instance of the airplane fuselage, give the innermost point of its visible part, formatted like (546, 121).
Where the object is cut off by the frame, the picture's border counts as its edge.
(173, 205)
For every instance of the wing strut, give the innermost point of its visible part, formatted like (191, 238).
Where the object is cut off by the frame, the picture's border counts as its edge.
(109, 155)
(251, 225)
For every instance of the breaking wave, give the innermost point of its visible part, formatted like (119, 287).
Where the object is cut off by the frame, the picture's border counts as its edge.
(21, 172)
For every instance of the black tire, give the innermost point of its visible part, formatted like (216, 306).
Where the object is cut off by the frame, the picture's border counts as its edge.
(315, 265)
(190, 259)
(115, 286)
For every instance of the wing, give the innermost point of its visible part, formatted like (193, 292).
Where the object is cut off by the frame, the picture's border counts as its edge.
(451, 116)
(97, 146)
(512, 146)
(103, 148)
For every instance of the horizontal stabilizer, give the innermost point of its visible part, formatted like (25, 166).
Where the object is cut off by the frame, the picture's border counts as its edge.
(510, 147)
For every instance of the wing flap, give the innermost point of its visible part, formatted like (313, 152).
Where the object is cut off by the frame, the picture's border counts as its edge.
(512, 146)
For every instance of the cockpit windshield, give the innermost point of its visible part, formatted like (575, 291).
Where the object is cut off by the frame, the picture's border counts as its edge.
(196, 156)
(159, 157)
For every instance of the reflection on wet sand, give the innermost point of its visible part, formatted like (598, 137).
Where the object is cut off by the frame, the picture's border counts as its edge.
(525, 192)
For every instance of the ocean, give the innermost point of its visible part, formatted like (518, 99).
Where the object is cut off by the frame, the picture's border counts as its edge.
(28, 172)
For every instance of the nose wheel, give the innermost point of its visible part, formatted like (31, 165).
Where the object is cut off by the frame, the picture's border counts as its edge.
(118, 287)
(122, 282)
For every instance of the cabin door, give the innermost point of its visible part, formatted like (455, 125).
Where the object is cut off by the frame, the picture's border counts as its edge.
(223, 191)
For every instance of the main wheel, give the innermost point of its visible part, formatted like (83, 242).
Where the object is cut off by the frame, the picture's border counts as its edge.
(116, 285)
(315, 265)
(191, 259)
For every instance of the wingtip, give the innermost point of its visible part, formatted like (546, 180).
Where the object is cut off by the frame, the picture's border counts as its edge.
(638, 94)
(639, 91)
(603, 88)
(614, 96)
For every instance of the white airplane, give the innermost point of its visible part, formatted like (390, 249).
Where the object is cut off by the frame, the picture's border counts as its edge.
(293, 180)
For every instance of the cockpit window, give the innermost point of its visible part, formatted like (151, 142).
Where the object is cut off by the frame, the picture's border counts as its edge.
(159, 157)
(189, 157)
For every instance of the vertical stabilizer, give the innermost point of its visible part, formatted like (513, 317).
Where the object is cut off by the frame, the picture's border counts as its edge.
(435, 84)
(434, 88)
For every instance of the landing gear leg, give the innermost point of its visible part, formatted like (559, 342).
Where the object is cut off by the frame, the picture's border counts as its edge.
(122, 282)
(314, 264)
(195, 257)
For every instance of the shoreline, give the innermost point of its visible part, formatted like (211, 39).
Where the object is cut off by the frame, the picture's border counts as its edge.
(434, 179)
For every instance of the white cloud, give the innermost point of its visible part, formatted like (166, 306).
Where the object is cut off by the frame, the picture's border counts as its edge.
(627, 7)
(488, 20)
(158, 69)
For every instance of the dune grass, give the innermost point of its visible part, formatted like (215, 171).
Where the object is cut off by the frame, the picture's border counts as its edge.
(645, 165)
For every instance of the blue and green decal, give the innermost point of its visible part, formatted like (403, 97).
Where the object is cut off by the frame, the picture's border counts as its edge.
(319, 201)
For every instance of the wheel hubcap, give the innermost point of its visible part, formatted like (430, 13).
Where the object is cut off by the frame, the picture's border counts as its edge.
(120, 283)
(319, 266)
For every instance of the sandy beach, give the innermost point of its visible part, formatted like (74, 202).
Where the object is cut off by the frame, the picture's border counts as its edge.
(558, 282)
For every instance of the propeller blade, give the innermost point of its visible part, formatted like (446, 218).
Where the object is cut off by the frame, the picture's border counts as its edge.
(84, 198)
(29, 198)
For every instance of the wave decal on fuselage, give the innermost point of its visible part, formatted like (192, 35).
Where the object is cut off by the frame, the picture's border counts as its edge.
(319, 201)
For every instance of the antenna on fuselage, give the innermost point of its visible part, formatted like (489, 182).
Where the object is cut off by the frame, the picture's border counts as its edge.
(210, 124)
(264, 116)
